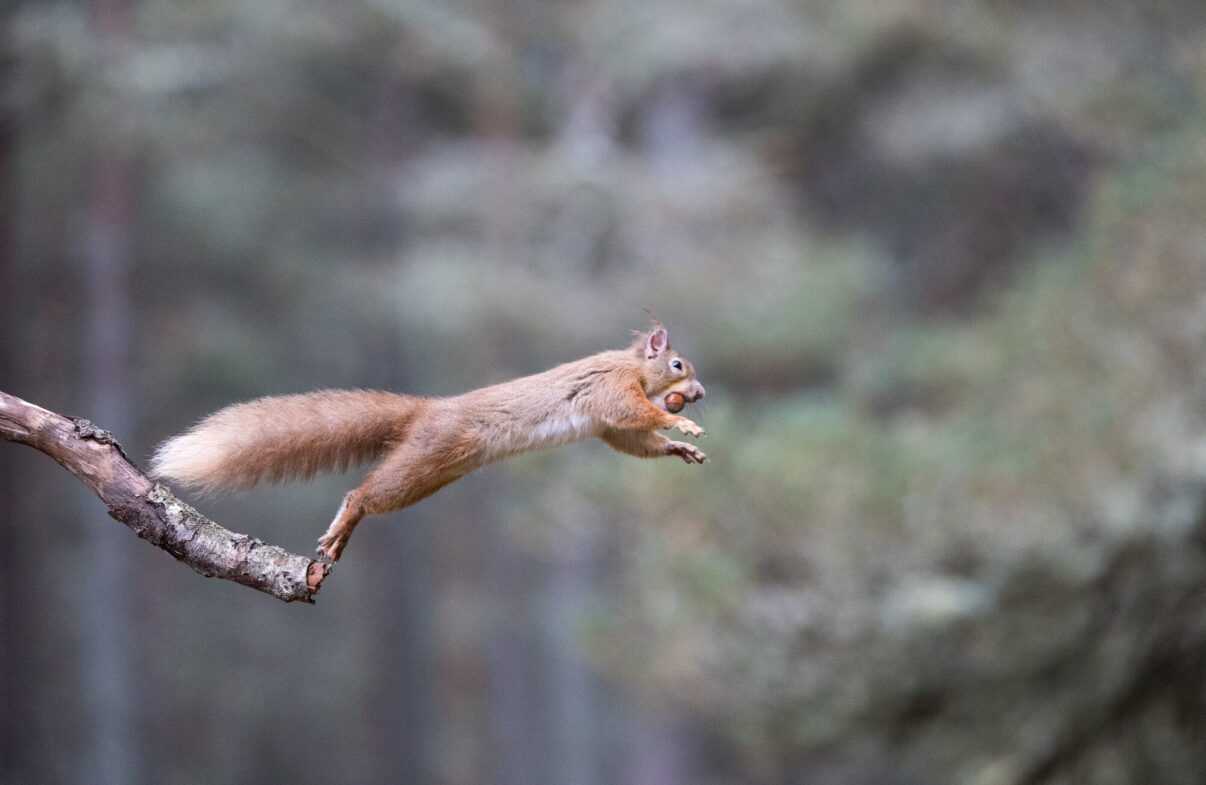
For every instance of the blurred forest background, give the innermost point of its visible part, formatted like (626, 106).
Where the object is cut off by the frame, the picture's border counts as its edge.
(941, 265)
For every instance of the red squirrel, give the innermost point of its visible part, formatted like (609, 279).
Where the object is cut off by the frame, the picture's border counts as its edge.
(425, 443)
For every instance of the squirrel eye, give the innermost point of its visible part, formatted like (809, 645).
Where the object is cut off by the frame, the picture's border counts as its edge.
(676, 365)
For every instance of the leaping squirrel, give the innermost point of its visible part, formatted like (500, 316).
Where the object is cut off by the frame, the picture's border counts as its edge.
(425, 443)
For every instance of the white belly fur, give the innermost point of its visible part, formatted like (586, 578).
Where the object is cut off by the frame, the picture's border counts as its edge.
(563, 430)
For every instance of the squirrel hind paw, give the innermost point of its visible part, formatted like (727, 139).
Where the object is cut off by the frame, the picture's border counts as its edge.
(330, 547)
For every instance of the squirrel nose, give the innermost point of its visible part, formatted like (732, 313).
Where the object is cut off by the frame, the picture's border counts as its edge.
(699, 391)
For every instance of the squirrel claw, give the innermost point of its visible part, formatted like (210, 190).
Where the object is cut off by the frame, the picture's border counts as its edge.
(688, 452)
(329, 548)
(689, 428)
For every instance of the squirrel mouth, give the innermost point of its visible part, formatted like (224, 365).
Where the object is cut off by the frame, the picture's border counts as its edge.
(690, 395)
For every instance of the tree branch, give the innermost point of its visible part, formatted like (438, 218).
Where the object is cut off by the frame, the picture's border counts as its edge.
(153, 511)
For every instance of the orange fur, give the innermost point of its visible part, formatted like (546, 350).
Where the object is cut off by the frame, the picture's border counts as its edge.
(285, 437)
(426, 443)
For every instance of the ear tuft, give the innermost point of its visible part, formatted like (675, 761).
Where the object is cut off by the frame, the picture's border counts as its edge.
(657, 323)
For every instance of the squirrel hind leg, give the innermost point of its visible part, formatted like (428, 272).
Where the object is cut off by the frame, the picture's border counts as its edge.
(331, 544)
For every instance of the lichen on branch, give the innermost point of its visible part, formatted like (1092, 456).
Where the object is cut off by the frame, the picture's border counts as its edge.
(152, 511)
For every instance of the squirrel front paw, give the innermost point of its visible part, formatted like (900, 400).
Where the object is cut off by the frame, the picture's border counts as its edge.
(688, 427)
(688, 452)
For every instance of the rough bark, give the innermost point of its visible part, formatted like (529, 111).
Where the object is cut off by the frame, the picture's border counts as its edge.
(152, 511)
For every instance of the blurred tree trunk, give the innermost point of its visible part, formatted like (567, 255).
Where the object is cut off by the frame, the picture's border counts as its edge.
(574, 726)
(111, 754)
(507, 580)
(16, 683)
(106, 652)
(401, 711)
(516, 754)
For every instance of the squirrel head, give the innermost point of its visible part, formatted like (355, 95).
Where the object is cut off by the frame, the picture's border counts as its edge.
(666, 371)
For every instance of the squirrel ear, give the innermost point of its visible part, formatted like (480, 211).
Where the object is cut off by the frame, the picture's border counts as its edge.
(656, 342)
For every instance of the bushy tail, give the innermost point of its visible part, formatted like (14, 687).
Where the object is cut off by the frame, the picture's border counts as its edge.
(285, 437)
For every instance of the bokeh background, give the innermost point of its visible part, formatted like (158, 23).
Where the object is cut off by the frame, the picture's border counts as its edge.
(941, 265)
